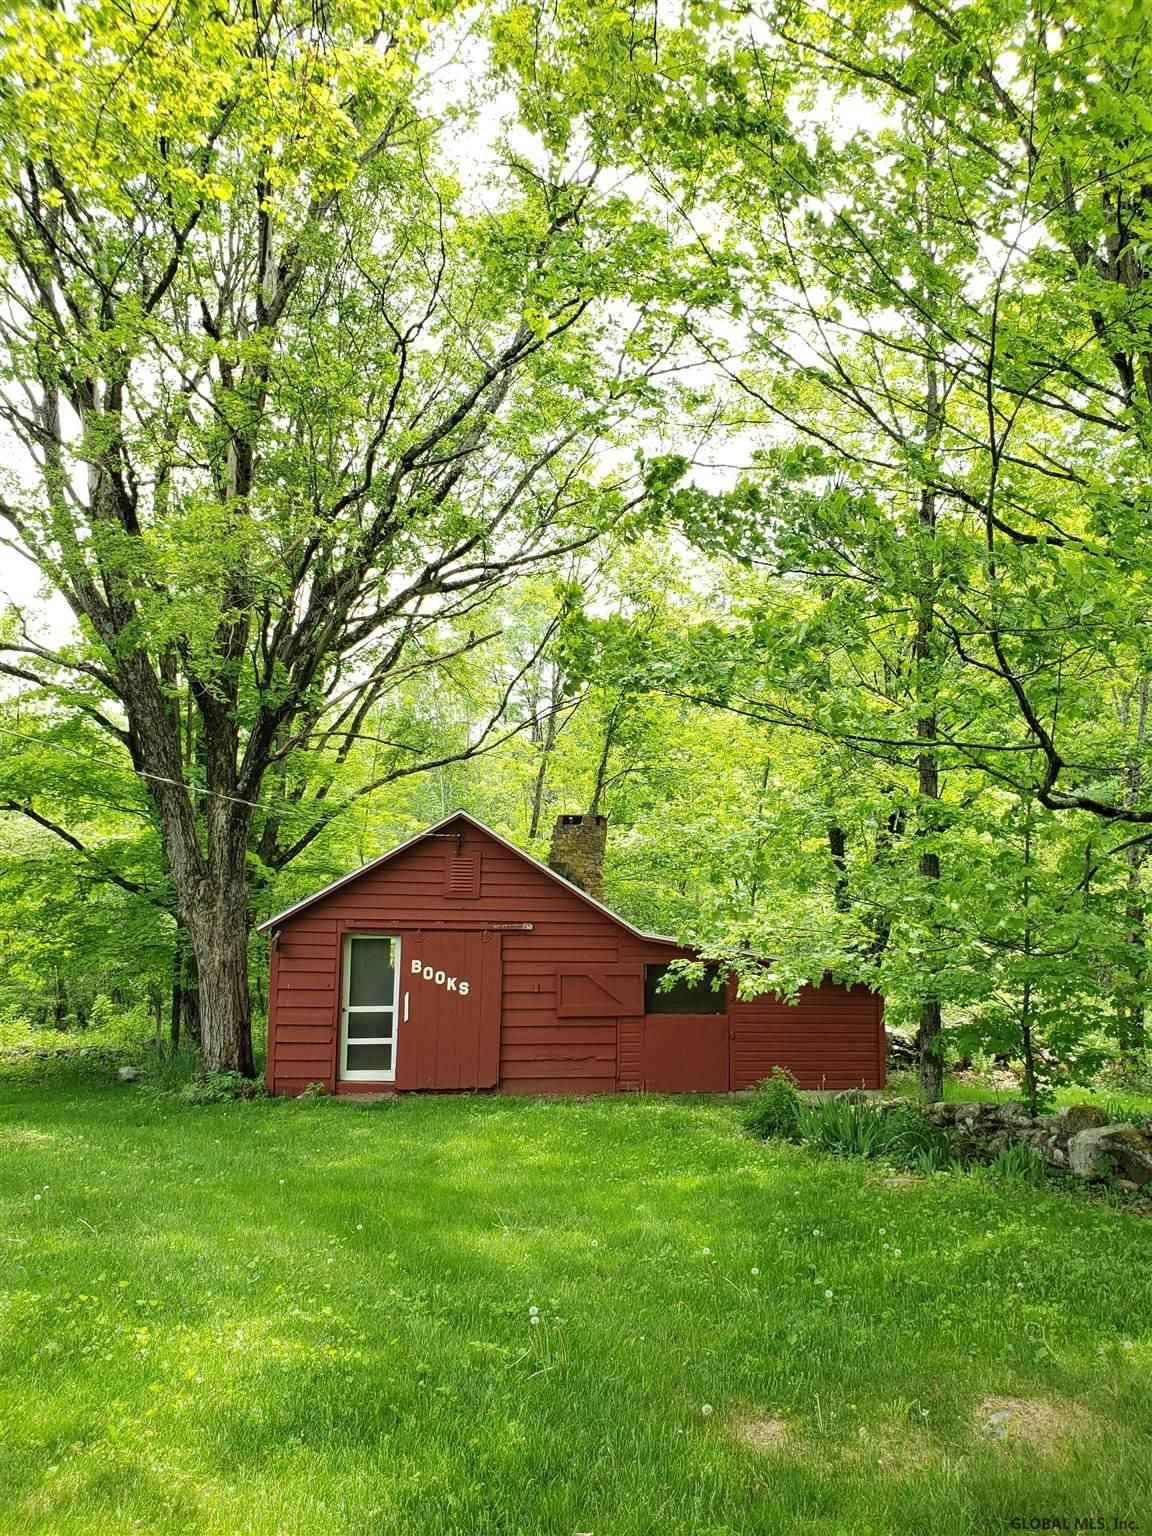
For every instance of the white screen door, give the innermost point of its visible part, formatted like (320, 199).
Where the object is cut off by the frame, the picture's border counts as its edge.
(371, 987)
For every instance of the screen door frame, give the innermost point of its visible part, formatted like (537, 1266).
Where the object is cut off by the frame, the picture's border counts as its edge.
(391, 1007)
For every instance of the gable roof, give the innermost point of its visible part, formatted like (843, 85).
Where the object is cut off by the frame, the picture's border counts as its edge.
(437, 829)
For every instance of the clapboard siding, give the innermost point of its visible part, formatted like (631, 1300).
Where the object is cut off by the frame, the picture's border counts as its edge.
(630, 1034)
(565, 1032)
(289, 1035)
(544, 929)
(567, 1083)
(516, 1059)
(832, 1037)
(294, 1051)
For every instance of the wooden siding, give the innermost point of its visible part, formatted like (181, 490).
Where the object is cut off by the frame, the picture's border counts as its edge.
(629, 1045)
(539, 1053)
(548, 1041)
(686, 1053)
(831, 1038)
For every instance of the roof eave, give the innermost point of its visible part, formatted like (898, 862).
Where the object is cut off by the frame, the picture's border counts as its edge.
(308, 901)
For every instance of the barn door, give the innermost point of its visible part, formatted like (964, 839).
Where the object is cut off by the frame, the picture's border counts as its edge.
(685, 1054)
(449, 1010)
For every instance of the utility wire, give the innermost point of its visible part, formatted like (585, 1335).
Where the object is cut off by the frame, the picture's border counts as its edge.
(158, 778)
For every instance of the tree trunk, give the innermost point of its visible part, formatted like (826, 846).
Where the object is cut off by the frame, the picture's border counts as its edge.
(221, 950)
(928, 786)
(190, 998)
(1031, 1091)
(177, 1008)
(212, 887)
(1027, 1042)
(931, 1056)
(601, 783)
(547, 745)
(838, 848)
(59, 1004)
(1131, 1035)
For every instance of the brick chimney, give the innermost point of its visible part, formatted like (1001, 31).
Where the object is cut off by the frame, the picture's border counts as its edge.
(578, 851)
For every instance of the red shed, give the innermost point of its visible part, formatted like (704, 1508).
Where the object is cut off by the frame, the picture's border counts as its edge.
(457, 961)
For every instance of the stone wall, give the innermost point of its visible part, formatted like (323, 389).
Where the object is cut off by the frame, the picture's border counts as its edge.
(1080, 1139)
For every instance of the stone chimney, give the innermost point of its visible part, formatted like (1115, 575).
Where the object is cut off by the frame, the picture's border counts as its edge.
(578, 851)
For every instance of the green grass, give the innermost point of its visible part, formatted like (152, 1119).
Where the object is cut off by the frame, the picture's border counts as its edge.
(1120, 1102)
(284, 1319)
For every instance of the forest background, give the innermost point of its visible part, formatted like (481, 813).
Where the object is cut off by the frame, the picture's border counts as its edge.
(734, 421)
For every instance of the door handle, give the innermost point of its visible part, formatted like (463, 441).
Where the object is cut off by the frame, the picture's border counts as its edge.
(406, 1007)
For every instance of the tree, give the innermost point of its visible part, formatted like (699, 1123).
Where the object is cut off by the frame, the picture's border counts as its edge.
(954, 190)
(85, 908)
(930, 304)
(288, 403)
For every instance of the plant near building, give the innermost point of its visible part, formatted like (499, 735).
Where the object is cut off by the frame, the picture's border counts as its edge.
(775, 1108)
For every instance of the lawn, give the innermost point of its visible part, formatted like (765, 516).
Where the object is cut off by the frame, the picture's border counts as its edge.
(293, 1318)
(1120, 1103)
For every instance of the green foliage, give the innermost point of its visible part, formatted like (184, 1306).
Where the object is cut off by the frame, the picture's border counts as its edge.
(307, 393)
(1020, 1163)
(844, 1125)
(774, 1109)
(218, 1088)
(911, 1139)
(109, 1029)
(857, 1127)
(885, 722)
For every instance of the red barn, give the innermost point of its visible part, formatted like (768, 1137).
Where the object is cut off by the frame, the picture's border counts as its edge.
(457, 961)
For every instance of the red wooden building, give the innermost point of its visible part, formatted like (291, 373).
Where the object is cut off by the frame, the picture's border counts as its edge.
(457, 961)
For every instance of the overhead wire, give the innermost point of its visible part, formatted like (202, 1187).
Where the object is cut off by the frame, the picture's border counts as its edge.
(159, 778)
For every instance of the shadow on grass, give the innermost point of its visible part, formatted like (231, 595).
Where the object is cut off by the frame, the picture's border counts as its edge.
(327, 1300)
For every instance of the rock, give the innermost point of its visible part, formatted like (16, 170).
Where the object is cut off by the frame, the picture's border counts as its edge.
(1012, 1112)
(1086, 1157)
(129, 1074)
(1106, 1149)
(1130, 1150)
(1080, 1117)
(1045, 1424)
(901, 1051)
(996, 1424)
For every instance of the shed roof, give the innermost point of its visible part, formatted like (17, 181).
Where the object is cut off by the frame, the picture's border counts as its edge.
(437, 829)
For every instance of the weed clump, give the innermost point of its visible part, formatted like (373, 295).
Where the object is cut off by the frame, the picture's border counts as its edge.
(775, 1107)
(219, 1088)
(1019, 1164)
(855, 1128)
